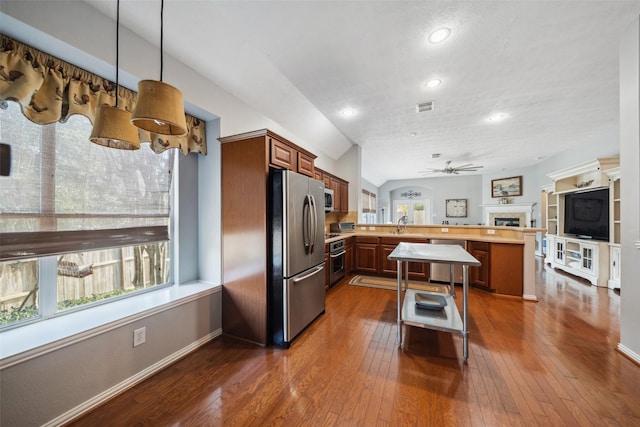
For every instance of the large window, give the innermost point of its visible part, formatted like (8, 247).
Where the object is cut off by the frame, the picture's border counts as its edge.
(79, 222)
(417, 212)
(369, 207)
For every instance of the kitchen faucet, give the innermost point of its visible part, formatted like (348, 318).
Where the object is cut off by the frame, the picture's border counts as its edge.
(402, 219)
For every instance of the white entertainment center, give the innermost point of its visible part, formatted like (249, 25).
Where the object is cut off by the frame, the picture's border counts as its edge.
(598, 261)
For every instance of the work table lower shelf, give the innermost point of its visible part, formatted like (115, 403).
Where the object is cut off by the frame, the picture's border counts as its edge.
(447, 319)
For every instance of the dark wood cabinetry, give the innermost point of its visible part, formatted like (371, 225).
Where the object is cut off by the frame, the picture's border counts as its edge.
(344, 196)
(349, 245)
(479, 276)
(502, 267)
(246, 159)
(417, 270)
(340, 189)
(305, 164)
(367, 254)
(371, 257)
(286, 155)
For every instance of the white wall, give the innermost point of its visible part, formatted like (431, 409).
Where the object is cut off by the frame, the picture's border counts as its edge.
(439, 189)
(629, 184)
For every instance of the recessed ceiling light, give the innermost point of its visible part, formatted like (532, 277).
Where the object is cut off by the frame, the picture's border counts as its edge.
(433, 83)
(497, 117)
(412, 134)
(348, 112)
(439, 35)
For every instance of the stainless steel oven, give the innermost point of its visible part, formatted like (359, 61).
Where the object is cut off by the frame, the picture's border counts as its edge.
(336, 261)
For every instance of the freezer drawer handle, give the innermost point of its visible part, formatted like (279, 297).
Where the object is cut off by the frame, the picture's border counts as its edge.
(306, 276)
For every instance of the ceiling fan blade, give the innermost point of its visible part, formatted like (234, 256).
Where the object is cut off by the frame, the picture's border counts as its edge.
(463, 166)
(470, 168)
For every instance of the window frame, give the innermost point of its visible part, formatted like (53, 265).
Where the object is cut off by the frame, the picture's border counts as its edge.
(78, 241)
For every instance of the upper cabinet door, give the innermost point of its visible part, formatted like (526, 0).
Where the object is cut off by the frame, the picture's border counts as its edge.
(282, 155)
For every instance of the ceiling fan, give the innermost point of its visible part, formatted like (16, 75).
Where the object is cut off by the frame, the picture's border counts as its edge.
(448, 169)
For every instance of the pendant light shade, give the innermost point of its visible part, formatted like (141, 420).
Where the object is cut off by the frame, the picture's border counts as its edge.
(112, 128)
(159, 109)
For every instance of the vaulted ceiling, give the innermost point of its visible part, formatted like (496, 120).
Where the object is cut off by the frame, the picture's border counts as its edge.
(549, 67)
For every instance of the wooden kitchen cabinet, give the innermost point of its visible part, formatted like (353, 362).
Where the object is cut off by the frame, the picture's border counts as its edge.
(344, 196)
(349, 245)
(417, 270)
(340, 189)
(501, 270)
(479, 276)
(335, 186)
(367, 254)
(287, 155)
(305, 164)
(506, 268)
(246, 159)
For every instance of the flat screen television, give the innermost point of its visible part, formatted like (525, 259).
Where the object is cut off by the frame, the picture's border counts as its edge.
(586, 214)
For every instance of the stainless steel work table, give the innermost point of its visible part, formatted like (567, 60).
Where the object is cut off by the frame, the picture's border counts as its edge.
(448, 319)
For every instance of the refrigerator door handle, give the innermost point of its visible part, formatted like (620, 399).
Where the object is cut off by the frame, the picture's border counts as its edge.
(306, 276)
(313, 223)
(305, 223)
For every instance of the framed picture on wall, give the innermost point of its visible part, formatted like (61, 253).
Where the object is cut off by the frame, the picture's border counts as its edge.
(456, 208)
(506, 187)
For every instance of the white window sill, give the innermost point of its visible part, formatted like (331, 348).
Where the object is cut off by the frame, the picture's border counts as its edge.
(25, 342)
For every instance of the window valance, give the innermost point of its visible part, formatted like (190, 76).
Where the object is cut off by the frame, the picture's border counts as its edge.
(50, 90)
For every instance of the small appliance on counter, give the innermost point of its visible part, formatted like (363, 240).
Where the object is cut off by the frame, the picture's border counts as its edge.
(342, 227)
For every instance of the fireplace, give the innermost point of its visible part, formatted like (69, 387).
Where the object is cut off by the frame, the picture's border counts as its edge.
(508, 222)
(512, 215)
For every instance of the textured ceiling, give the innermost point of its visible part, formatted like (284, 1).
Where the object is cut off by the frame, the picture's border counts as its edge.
(552, 67)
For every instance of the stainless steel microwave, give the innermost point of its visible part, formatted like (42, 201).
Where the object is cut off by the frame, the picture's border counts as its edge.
(328, 200)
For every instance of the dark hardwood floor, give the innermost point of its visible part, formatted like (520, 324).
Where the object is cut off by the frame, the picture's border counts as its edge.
(551, 363)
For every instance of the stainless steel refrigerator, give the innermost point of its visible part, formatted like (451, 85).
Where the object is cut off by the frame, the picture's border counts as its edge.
(296, 289)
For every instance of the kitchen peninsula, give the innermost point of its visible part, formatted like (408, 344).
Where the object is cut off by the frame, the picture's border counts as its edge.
(507, 254)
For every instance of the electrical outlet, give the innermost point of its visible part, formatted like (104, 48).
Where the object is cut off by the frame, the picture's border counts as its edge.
(139, 336)
(444, 230)
(491, 231)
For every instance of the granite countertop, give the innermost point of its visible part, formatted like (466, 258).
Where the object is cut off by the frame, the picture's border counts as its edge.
(475, 237)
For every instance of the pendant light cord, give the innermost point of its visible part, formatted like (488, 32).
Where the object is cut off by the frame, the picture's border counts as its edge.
(117, 48)
(161, 37)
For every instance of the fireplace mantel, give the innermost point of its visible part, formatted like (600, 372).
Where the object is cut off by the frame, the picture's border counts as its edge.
(515, 209)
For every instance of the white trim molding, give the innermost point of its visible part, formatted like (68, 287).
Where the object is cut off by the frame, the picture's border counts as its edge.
(635, 357)
(99, 399)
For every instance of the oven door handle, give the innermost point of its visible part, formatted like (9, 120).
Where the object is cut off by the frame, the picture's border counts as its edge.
(338, 254)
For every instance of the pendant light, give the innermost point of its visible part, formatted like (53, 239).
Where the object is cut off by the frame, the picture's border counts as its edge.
(112, 126)
(160, 107)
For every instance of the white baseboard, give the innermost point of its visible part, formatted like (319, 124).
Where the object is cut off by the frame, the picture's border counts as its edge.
(527, 297)
(629, 353)
(95, 401)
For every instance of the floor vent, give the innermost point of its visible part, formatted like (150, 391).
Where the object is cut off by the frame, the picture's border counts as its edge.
(425, 106)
